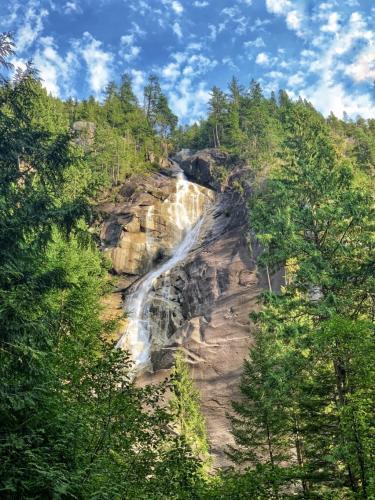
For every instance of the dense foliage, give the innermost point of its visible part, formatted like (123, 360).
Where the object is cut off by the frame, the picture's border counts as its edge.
(122, 136)
(307, 413)
(72, 422)
(253, 128)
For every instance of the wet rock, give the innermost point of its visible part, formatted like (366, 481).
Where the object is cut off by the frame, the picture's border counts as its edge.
(215, 289)
(139, 227)
(202, 305)
(208, 167)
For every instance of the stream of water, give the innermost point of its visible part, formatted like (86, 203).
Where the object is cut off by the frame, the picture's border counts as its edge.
(185, 212)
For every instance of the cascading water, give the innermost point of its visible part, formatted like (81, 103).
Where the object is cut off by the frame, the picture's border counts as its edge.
(185, 213)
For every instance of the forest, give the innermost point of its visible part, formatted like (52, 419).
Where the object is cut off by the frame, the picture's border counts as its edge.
(73, 423)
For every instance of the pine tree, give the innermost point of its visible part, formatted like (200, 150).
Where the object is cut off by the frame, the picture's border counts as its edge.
(312, 214)
(185, 406)
(218, 108)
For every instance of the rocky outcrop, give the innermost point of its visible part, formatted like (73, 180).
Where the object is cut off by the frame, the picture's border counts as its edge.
(201, 305)
(139, 226)
(84, 133)
(211, 296)
(208, 167)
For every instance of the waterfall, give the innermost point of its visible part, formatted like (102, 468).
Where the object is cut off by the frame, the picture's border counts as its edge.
(185, 211)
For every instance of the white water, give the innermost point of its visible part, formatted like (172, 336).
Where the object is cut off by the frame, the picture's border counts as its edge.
(185, 212)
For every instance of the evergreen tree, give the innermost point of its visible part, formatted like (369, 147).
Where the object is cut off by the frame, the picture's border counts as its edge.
(127, 97)
(185, 406)
(218, 108)
(73, 424)
(311, 214)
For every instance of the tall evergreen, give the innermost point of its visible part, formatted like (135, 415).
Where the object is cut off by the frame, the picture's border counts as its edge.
(312, 219)
(185, 406)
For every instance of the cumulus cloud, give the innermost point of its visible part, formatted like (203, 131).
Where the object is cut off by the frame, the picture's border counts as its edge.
(294, 20)
(329, 93)
(56, 71)
(200, 5)
(190, 101)
(177, 7)
(174, 5)
(71, 7)
(258, 42)
(98, 62)
(332, 23)
(278, 6)
(262, 59)
(128, 50)
(293, 16)
(31, 27)
(181, 79)
(363, 68)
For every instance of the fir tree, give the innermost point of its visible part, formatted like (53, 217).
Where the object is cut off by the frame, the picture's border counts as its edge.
(185, 406)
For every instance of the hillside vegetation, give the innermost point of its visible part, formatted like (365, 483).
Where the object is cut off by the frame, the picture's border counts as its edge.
(72, 422)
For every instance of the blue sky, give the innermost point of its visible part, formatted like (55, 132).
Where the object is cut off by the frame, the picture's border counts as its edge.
(322, 50)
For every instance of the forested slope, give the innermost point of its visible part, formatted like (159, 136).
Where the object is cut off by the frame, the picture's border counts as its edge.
(308, 384)
(72, 422)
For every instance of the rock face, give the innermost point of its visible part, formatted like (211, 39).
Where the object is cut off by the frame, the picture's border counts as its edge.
(202, 304)
(213, 292)
(207, 167)
(142, 225)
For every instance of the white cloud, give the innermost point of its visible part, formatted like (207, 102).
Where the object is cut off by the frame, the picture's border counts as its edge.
(293, 16)
(213, 32)
(128, 50)
(262, 59)
(275, 75)
(328, 66)
(363, 68)
(137, 30)
(229, 62)
(189, 101)
(326, 6)
(294, 20)
(141, 7)
(278, 6)
(258, 42)
(171, 71)
(71, 6)
(259, 24)
(133, 53)
(177, 30)
(56, 72)
(97, 60)
(31, 27)
(138, 83)
(194, 46)
(336, 99)
(200, 5)
(297, 79)
(175, 5)
(230, 11)
(332, 23)
(127, 39)
(179, 78)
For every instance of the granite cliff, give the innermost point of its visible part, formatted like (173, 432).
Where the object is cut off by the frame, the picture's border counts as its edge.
(200, 302)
